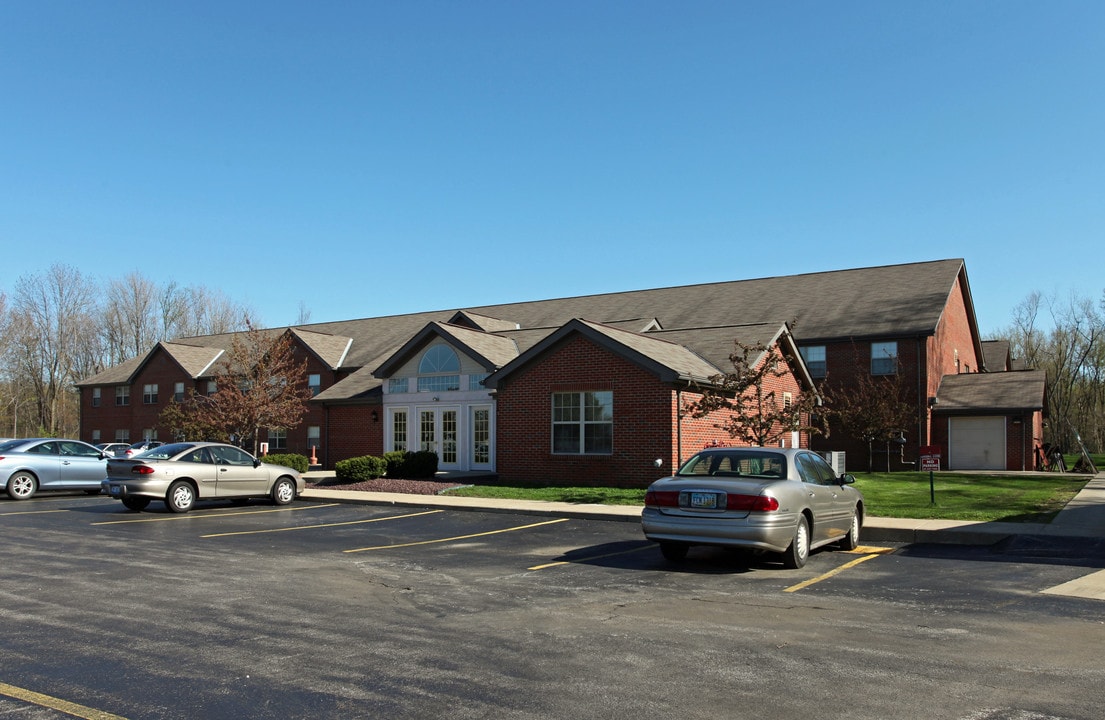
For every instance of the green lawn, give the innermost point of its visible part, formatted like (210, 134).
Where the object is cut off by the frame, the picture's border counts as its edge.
(1010, 498)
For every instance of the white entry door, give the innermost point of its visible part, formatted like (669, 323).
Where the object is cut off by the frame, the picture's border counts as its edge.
(481, 446)
(438, 430)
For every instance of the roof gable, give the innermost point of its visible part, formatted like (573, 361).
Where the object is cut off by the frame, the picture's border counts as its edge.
(1014, 391)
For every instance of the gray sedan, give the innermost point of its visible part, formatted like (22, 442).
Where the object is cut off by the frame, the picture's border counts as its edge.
(178, 474)
(33, 464)
(781, 500)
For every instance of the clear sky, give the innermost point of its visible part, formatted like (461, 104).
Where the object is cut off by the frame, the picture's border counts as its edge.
(362, 158)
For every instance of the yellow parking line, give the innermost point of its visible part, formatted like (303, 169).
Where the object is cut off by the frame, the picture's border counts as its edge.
(56, 704)
(826, 576)
(31, 512)
(193, 516)
(558, 563)
(322, 525)
(459, 537)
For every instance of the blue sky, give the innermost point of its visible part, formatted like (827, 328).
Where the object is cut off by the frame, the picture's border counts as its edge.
(357, 159)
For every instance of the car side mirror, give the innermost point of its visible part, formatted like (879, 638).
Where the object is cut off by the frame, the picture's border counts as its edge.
(256, 462)
(847, 479)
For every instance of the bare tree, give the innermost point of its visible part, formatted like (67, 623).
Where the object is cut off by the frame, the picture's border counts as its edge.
(755, 412)
(130, 317)
(875, 409)
(260, 385)
(54, 341)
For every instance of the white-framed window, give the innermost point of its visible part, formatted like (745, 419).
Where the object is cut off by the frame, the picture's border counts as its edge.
(123, 436)
(884, 358)
(814, 357)
(314, 383)
(96, 397)
(583, 423)
(314, 434)
(439, 370)
(475, 381)
(149, 394)
(398, 385)
(212, 387)
(95, 436)
(122, 395)
(178, 392)
(398, 429)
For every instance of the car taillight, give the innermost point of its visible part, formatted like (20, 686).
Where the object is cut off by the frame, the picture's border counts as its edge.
(662, 498)
(752, 503)
(142, 470)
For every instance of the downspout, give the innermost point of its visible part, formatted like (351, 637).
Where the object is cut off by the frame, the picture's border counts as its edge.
(678, 428)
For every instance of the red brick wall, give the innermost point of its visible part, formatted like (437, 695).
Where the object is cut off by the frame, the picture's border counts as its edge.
(645, 420)
(352, 433)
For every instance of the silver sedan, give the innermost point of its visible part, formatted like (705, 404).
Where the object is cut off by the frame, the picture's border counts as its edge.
(178, 474)
(780, 500)
(33, 464)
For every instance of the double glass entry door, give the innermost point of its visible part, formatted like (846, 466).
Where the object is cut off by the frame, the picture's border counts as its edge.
(461, 439)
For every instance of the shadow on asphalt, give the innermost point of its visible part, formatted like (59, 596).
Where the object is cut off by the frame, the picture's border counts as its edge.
(1039, 549)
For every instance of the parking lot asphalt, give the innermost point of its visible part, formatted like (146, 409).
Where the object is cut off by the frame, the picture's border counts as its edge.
(1082, 519)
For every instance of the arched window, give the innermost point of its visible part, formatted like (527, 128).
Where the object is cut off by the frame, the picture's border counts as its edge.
(439, 370)
(439, 359)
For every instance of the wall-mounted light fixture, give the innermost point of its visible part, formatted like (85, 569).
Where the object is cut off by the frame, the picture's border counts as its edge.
(933, 401)
(375, 416)
(1016, 421)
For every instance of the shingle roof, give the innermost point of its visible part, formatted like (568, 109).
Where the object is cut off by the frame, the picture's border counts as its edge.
(997, 392)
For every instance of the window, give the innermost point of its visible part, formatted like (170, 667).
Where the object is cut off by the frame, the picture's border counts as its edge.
(122, 436)
(814, 356)
(178, 392)
(439, 383)
(278, 439)
(399, 430)
(149, 394)
(313, 435)
(398, 385)
(583, 423)
(884, 358)
(95, 436)
(212, 387)
(96, 397)
(439, 359)
(122, 395)
(314, 383)
(475, 381)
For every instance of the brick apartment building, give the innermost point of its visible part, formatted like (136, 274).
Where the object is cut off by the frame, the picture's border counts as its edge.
(590, 389)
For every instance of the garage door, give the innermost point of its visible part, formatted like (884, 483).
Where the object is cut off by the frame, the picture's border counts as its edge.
(976, 443)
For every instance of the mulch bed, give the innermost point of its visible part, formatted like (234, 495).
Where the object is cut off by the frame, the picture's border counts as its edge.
(390, 485)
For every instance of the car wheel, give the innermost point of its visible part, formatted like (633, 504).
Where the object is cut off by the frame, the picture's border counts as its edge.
(795, 556)
(22, 485)
(851, 540)
(673, 552)
(135, 503)
(181, 497)
(283, 492)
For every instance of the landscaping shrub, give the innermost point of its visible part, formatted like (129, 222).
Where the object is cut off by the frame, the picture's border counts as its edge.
(301, 463)
(420, 465)
(396, 460)
(359, 469)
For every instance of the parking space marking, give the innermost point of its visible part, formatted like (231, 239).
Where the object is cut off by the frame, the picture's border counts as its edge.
(872, 553)
(320, 525)
(216, 514)
(31, 512)
(459, 537)
(53, 703)
(576, 561)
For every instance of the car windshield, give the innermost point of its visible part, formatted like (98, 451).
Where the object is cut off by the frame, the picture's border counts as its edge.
(164, 452)
(751, 463)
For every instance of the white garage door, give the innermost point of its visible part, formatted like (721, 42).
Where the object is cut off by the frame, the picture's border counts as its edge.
(976, 443)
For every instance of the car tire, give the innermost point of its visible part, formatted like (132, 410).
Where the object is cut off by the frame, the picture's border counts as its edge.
(22, 485)
(181, 497)
(795, 556)
(851, 540)
(673, 552)
(136, 503)
(283, 492)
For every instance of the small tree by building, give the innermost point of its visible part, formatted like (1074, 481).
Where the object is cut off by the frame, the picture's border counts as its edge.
(875, 409)
(259, 385)
(755, 412)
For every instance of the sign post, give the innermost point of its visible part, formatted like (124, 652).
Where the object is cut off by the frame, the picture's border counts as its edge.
(930, 460)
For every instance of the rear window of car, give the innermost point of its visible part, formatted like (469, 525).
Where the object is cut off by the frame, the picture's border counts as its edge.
(164, 452)
(733, 464)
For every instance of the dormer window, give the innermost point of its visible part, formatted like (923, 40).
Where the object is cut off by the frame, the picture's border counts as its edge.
(439, 370)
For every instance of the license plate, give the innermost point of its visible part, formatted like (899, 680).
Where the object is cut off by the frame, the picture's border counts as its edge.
(703, 501)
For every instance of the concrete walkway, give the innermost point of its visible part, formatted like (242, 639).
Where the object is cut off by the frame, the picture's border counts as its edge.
(1083, 517)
